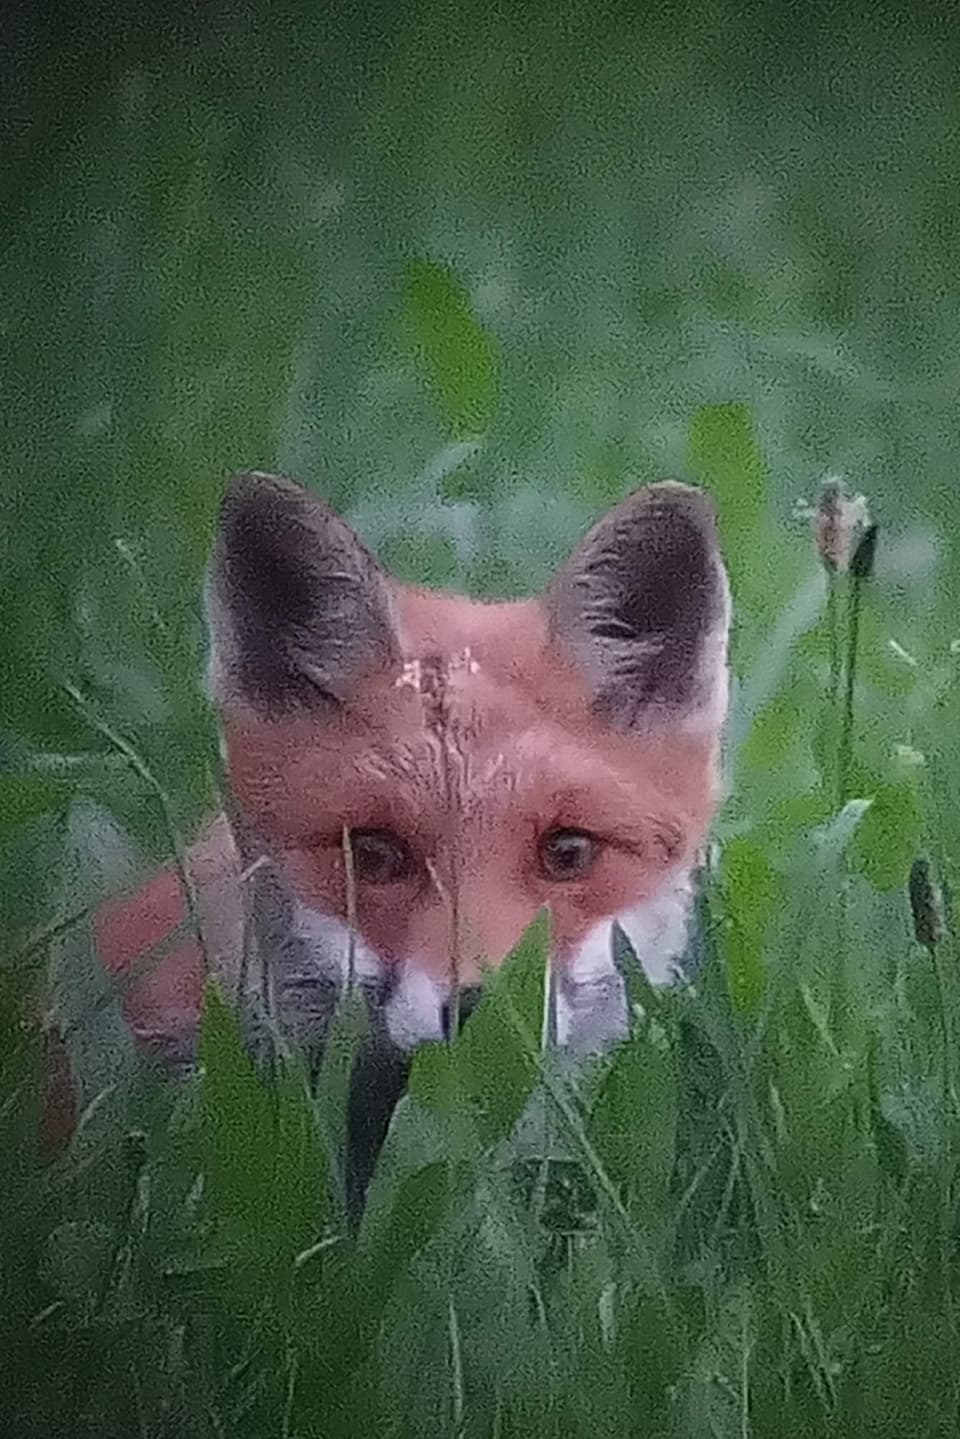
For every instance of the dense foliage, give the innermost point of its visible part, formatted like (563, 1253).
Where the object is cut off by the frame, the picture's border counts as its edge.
(473, 271)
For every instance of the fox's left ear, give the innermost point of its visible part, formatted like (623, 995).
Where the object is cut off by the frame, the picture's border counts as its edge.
(642, 607)
(298, 609)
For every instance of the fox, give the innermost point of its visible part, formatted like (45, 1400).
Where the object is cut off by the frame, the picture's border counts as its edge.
(412, 776)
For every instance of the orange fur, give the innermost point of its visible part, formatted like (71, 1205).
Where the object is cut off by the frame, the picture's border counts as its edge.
(473, 731)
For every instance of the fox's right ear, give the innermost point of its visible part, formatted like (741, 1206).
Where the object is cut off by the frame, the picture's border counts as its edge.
(298, 609)
(642, 607)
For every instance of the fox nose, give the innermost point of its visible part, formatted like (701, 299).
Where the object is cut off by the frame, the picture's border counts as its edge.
(462, 1007)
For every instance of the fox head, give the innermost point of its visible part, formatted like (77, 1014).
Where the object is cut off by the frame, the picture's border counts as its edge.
(432, 771)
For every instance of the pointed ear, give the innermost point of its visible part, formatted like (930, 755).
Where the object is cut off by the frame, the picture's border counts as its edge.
(642, 607)
(298, 609)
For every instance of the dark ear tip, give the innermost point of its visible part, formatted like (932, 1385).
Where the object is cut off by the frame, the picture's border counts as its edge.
(248, 488)
(254, 500)
(688, 501)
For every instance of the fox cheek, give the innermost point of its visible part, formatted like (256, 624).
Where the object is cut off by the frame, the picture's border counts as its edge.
(621, 882)
(315, 876)
(668, 843)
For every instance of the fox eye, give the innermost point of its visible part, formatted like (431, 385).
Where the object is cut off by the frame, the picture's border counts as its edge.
(567, 853)
(380, 857)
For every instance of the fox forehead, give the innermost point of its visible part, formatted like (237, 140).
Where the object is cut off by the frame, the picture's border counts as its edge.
(507, 639)
(351, 699)
(466, 671)
(478, 725)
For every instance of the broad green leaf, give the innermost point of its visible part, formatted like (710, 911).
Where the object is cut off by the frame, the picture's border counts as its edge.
(21, 1057)
(344, 1038)
(462, 1098)
(830, 840)
(492, 1065)
(725, 457)
(419, 1207)
(888, 837)
(655, 1350)
(435, 1080)
(751, 890)
(77, 1259)
(717, 1398)
(259, 1147)
(633, 1124)
(499, 1047)
(459, 357)
(23, 796)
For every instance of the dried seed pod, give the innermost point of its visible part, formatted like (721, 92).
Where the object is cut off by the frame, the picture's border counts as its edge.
(839, 524)
(926, 904)
(861, 566)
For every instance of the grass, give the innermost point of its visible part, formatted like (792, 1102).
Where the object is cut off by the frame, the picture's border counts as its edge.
(473, 279)
(743, 1222)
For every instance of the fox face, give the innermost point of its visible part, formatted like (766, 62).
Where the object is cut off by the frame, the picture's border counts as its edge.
(414, 775)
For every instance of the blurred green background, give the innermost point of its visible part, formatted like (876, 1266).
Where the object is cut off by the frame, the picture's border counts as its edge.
(222, 227)
(473, 271)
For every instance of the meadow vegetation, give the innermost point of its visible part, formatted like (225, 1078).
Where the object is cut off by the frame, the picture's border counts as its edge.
(473, 273)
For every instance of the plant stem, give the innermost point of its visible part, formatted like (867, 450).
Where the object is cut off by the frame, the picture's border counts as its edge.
(845, 748)
(833, 639)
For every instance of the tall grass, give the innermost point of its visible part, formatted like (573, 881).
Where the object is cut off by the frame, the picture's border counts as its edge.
(741, 1222)
(710, 245)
